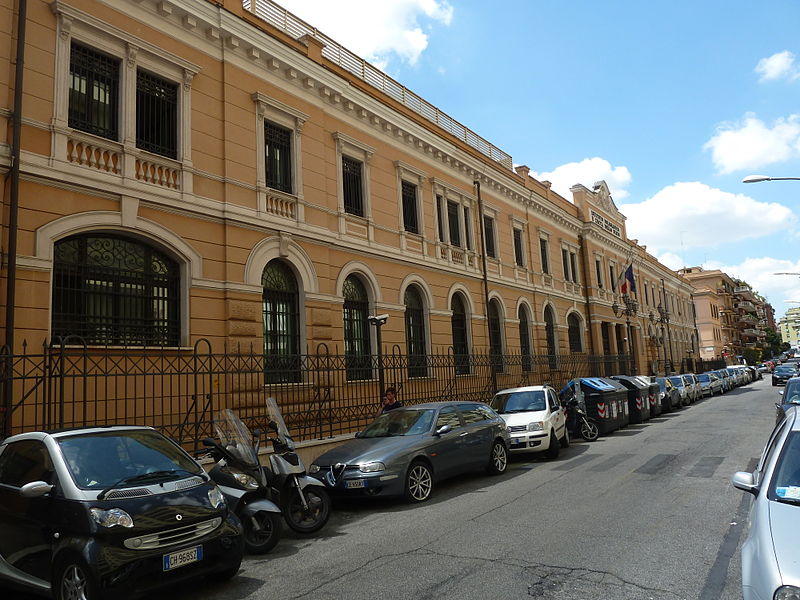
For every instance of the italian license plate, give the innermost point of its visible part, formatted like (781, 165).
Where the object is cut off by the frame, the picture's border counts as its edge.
(180, 558)
(355, 483)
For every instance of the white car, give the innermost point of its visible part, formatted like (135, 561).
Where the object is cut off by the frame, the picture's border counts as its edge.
(534, 418)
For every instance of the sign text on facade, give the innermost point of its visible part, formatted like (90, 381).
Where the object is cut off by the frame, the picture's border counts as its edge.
(606, 224)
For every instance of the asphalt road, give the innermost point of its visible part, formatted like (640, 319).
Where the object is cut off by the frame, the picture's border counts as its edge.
(645, 513)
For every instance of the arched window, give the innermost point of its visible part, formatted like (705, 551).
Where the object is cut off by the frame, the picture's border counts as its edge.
(280, 303)
(357, 348)
(525, 338)
(108, 289)
(575, 327)
(458, 325)
(415, 333)
(550, 335)
(495, 336)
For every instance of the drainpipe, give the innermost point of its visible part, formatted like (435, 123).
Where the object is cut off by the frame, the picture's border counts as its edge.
(11, 251)
(669, 332)
(477, 185)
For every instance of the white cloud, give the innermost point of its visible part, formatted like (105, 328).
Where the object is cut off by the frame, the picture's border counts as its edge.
(760, 274)
(688, 215)
(587, 172)
(376, 31)
(780, 65)
(673, 261)
(750, 143)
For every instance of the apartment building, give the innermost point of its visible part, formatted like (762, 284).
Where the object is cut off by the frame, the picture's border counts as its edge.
(224, 171)
(789, 327)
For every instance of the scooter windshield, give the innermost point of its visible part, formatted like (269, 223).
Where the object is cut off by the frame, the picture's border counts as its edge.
(235, 437)
(275, 415)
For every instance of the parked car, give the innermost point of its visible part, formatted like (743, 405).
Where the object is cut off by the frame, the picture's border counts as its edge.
(683, 390)
(535, 419)
(693, 388)
(710, 384)
(770, 569)
(669, 395)
(117, 511)
(782, 374)
(790, 396)
(407, 450)
(725, 378)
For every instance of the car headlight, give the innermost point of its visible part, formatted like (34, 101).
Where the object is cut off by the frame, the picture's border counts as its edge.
(215, 497)
(313, 468)
(371, 467)
(111, 517)
(535, 426)
(245, 480)
(787, 592)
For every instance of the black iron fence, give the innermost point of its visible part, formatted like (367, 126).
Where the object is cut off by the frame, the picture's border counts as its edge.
(178, 391)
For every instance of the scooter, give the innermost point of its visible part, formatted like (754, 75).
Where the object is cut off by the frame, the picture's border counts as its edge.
(578, 420)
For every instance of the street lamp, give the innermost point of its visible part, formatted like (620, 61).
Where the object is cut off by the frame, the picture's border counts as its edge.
(760, 178)
(379, 321)
(629, 308)
(663, 319)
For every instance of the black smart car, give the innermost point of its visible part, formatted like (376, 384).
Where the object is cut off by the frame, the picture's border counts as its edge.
(109, 512)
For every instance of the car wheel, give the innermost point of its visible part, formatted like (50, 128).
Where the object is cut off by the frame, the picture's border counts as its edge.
(73, 581)
(564, 441)
(554, 448)
(498, 459)
(419, 482)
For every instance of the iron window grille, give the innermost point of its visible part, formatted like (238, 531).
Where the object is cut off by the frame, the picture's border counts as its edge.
(278, 152)
(574, 332)
(454, 224)
(495, 337)
(115, 291)
(488, 228)
(458, 325)
(281, 317)
(545, 256)
(518, 254)
(156, 114)
(525, 340)
(352, 186)
(358, 359)
(94, 92)
(415, 334)
(550, 335)
(410, 217)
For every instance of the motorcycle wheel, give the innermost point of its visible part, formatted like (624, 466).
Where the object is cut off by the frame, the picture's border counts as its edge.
(311, 519)
(261, 531)
(589, 431)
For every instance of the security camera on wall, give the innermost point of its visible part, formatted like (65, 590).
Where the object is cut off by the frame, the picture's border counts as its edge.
(378, 319)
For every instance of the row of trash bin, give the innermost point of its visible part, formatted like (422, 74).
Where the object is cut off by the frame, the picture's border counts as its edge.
(615, 402)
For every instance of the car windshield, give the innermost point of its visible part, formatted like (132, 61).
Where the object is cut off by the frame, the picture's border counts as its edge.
(662, 383)
(785, 486)
(676, 381)
(704, 377)
(400, 422)
(514, 402)
(791, 395)
(787, 370)
(115, 458)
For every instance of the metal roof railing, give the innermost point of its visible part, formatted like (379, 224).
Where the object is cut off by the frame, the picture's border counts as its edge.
(279, 17)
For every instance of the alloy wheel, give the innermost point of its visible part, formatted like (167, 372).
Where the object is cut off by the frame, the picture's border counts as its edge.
(499, 458)
(420, 482)
(73, 584)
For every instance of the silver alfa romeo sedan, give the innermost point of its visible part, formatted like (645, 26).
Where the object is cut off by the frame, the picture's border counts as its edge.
(770, 565)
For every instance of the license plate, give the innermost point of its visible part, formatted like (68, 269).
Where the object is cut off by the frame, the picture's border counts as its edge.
(355, 483)
(517, 442)
(182, 557)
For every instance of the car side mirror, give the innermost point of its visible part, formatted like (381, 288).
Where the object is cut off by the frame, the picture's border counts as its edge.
(745, 481)
(35, 489)
(780, 392)
(443, 429)
(358, 434)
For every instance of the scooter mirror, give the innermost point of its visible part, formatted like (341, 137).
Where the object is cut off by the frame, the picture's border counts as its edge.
(273, 425)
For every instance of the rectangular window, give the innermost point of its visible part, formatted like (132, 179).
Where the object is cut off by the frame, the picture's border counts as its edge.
(598, 265)
(278, 142)
(94, 92)
(545, 255)
(454, 223)
(352, 186)
(440, 218)
(573, 263)
(612, 278)
(565, 264)
(467, 236)
(488, 230)
(410, 220)
(518, 252)
(156, 114)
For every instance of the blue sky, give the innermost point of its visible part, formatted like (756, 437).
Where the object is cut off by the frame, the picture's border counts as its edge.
(672, 103)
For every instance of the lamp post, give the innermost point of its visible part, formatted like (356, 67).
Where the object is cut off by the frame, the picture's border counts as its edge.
(379, 321)
(629, 308)
(760, 178)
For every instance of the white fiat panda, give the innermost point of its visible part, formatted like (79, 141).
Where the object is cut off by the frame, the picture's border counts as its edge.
(534, 418)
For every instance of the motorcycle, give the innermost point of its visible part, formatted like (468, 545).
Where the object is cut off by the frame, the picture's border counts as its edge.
(578, 420)
(302, 500)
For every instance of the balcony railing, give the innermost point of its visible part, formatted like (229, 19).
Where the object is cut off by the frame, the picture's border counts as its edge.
(295, 27)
